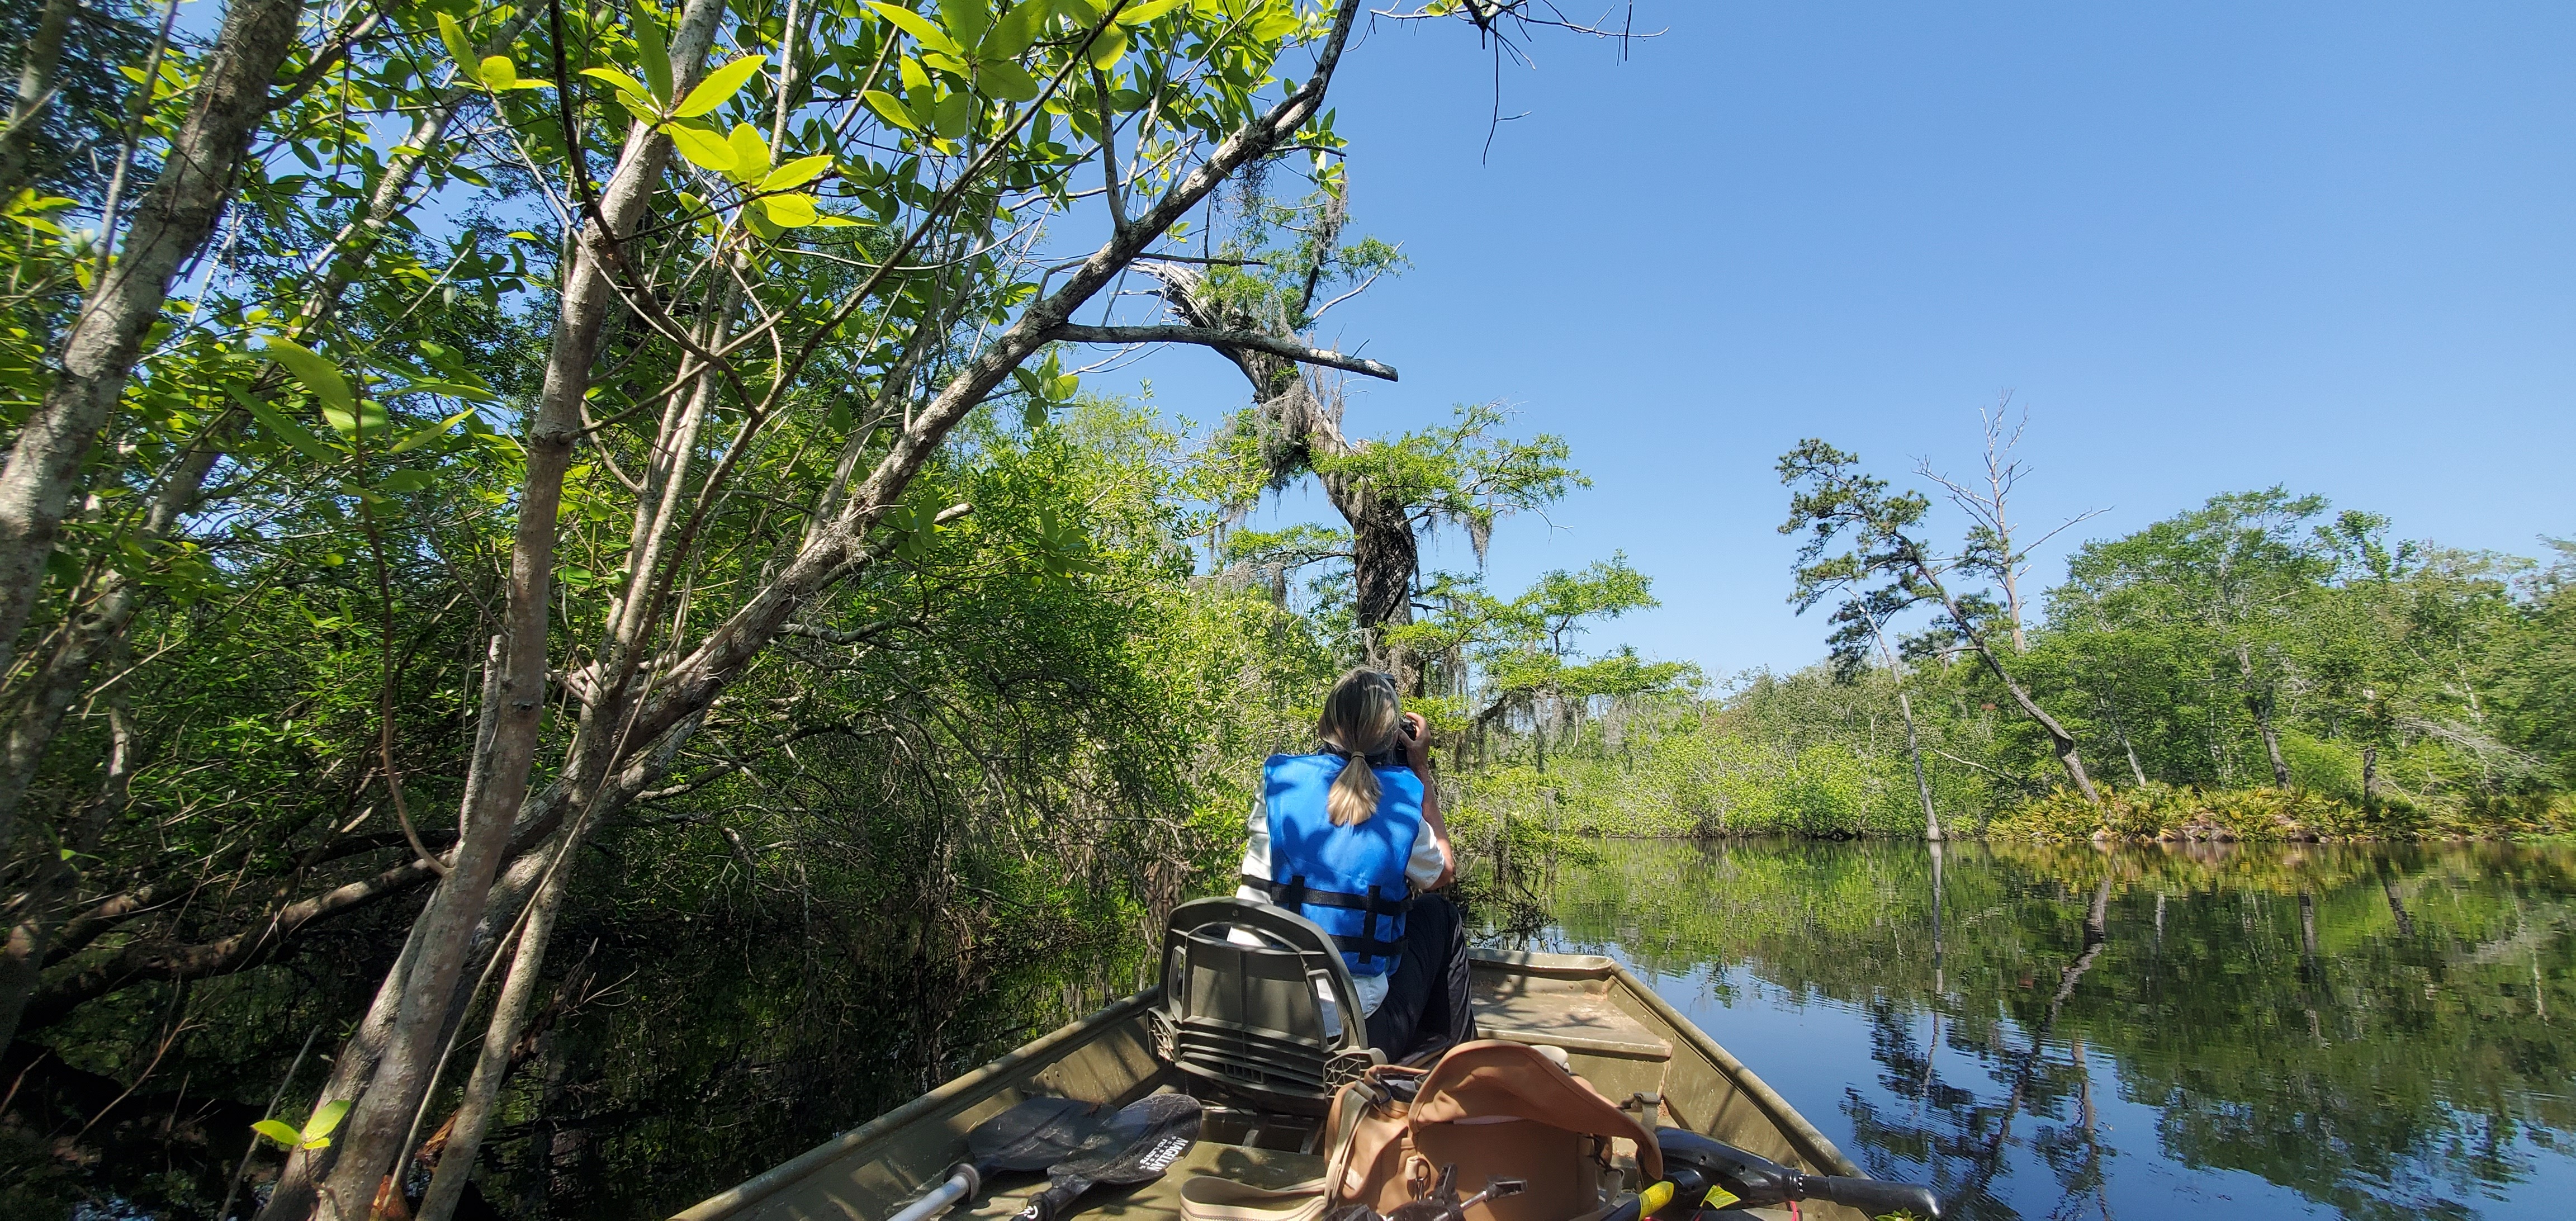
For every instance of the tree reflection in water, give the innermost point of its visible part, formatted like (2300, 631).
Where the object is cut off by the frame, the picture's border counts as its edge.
(2368, 1029)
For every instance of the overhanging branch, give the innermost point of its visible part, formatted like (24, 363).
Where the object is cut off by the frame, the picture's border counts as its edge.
(1213, 338)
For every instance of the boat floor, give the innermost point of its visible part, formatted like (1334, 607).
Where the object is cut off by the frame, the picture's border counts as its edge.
(1160, 1199)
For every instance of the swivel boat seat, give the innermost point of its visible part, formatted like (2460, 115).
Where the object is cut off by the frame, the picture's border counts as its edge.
(1245, 1024)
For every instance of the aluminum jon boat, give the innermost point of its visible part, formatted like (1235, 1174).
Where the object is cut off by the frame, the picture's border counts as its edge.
(1627, 1041)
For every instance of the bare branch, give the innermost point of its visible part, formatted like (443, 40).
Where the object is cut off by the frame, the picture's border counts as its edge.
(1213, 338)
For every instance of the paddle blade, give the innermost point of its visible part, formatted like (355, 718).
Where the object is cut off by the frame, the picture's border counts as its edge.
(1875, 1197)
(1140, 1142)
(1034, 1135)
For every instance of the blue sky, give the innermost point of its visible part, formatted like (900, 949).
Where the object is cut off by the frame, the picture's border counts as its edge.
(2210, 246)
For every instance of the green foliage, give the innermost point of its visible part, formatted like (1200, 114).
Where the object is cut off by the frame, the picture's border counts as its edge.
(866, 873)
(2535, 671)
(1798, 754)
(1461, 473)
(316, 1132)
(101, 56)
(1492, 660)
(2265, 815)
(2185, 641)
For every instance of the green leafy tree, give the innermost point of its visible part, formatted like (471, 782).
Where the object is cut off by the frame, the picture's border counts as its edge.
(1520, 658)
(1256, 299)
(1890, 568)
(2538, 669)
(2236, 576)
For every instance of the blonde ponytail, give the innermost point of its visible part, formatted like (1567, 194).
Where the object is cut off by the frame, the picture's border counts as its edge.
(1353, 799)
(1360, 719)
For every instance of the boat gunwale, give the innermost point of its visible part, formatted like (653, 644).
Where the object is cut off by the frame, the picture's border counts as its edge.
(1815, 1146)
(759, 1187)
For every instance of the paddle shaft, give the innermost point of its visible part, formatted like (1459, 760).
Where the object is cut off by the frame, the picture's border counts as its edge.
(1696, 1164)
(961, 1183)
(1032, 1135)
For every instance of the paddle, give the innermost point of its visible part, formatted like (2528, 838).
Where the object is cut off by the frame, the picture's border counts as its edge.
(1034, 1135)
(1707, 1174)
(1140, 1143)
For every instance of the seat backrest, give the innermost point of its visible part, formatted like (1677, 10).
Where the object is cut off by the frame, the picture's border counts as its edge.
(1246, 1018)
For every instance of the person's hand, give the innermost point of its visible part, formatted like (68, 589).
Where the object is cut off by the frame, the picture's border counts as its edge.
(1417, 745)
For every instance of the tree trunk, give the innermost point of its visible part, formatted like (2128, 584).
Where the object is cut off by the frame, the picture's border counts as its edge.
(54, 877)
(2258, 703)
(2308, 927)
(492, 1065)
(1384, 556)
(2120, 729)
(296, 1182)
(294, 1195)
(2262, 710)
(2097, 934)
(43, 54)
(2012, 592)
(2062, 743)
(1301, 427)
(1940, 983)
(2069, 757)
(170, 227)
(2396, 904)
(630, 626)
(506, 738)
(501, 1037)
(1922, 785)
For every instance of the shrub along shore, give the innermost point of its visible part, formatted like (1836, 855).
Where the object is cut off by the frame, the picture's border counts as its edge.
(2182, 812)
(2152, 813)
(2262, 667)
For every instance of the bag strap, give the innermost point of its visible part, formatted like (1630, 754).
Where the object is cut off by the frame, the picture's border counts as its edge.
(1206, 1197)
(1352, 1105)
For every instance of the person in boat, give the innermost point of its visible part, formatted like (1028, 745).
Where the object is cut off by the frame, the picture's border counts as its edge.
(1351, 838)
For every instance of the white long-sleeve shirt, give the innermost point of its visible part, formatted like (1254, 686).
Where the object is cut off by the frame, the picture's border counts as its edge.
(1422, 868)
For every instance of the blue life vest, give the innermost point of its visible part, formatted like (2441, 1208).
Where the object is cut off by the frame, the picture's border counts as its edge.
(1348, 880)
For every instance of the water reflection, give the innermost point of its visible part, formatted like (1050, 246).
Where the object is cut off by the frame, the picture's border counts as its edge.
(2357, 1031)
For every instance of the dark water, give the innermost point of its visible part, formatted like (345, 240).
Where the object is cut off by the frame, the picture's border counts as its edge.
(2375, 1032)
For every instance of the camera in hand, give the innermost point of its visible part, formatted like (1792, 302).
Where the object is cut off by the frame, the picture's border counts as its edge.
(1394, 754)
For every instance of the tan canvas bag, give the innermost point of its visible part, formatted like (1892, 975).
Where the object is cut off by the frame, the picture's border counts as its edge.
(1494, 1110)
